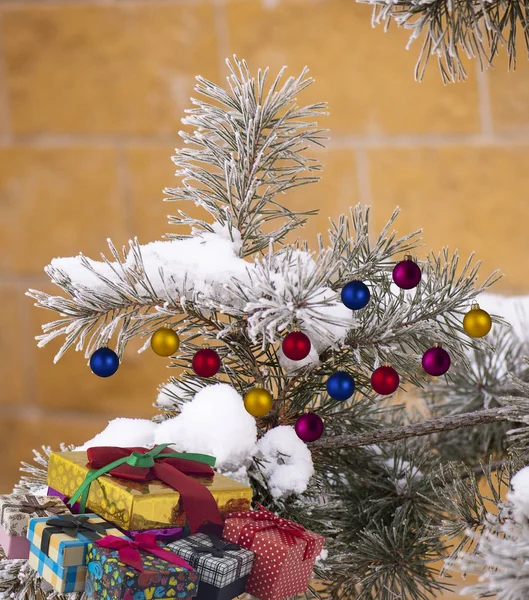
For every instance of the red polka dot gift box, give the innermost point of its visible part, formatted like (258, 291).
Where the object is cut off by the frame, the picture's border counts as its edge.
(284, 552)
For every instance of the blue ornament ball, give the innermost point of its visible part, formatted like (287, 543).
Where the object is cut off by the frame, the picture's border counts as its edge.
(340, 386)
(355, 295)
(104, 362)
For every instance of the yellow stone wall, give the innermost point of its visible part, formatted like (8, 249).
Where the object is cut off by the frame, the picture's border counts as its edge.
(91, 94)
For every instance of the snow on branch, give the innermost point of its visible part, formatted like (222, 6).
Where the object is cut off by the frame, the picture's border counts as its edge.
(500, 555)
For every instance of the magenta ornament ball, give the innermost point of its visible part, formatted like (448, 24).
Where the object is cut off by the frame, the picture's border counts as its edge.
(436, 361)
(407, 274)
(309, 427)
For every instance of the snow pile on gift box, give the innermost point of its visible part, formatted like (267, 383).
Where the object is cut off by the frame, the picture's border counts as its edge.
(215, 422)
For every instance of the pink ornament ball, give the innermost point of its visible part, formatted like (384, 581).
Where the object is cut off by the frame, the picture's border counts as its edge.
(407, 274)
(436, 361)
(309, 427)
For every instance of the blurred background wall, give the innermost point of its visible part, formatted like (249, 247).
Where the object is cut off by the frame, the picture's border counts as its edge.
(91, 94)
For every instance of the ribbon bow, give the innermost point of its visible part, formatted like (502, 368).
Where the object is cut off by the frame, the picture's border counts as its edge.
(41, 510)
(129, 551)
(29, 505)
(217, 548)
(173, 468)
(292, 531)
(72, 527)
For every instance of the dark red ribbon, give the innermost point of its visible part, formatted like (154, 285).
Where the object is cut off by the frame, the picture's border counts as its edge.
(129, 551)
(197, 500)
(292, 530)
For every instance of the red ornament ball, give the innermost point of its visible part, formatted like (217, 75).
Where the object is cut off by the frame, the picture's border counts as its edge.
(436, 361)
(385, 380)
(309, 427)
(296, 345)
(407, 274)
(206, 363)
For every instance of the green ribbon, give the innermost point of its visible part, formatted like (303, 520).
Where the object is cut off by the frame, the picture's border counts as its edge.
(135, 459)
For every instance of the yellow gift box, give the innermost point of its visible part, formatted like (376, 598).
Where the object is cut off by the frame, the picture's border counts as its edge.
(136, 506)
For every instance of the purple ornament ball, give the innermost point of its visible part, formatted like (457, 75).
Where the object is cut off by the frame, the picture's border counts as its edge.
(309, 427)
(436, 361)
(407, 274)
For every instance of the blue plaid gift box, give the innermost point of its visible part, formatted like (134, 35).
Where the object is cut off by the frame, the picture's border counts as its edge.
(58, 547)
(222, 567)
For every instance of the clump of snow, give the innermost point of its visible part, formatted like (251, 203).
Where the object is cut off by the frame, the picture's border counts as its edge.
(519, 495)
(72, 268)
(124, 433)
(322, 557)
(170, 392)
(215, 422)
(198, 265)
(286, 461)
(202, 264)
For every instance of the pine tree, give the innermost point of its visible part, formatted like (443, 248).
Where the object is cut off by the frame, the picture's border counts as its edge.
(388, 481)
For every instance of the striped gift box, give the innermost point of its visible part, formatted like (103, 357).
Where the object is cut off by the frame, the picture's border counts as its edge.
(58, 552)
(62, 579)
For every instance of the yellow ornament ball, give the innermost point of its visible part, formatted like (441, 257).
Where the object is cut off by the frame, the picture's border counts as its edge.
(477, 322)
(165, 341)
(258, 402)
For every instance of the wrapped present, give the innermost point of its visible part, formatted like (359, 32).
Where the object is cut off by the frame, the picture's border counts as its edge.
(139, 489)
(139, 569)
(75, 509)
(285, 552)
(222, 567)
(15, 512)
(58, 548)
(165, 536)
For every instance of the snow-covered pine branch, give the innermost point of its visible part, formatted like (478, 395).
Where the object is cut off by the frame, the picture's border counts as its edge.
(247, 147)
(203, 288)
(497, 548)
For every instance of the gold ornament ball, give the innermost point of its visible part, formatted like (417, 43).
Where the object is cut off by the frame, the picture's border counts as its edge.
(165, 341)
(258, 402)
(477, 322)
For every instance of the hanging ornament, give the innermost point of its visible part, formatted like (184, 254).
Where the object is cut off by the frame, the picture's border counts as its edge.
(165, 341)
(407, 273)
(385, 380)
(340, 385)
(436, 361)
(258, 402)
(104, 362)
(309, 427)
(206, 362)
(296, 345)
(355, 295)
(477, 322)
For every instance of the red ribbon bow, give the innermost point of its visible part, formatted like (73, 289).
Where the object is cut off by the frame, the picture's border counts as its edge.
(129, 551)
(271, 521)
(197, 500)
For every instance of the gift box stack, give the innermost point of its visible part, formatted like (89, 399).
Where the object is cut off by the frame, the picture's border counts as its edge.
(130, 523)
